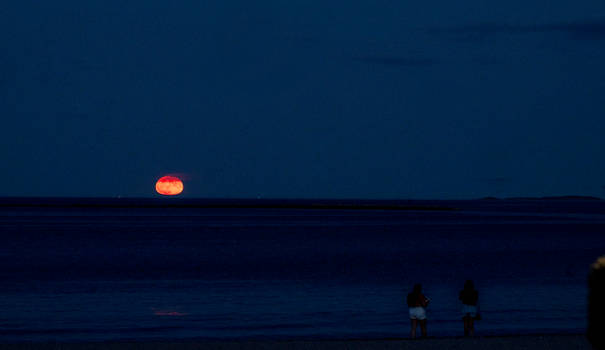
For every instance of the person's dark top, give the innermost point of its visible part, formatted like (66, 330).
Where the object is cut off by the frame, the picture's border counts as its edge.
(469, 297)
(417, 299)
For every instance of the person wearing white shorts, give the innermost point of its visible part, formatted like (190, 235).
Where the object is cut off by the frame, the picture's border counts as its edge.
(417, 303)
(469, 297)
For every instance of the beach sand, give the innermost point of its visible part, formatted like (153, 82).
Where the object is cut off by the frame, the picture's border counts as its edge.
(550, 342)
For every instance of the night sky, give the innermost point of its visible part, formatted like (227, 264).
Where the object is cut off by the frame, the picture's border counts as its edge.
(303, 98)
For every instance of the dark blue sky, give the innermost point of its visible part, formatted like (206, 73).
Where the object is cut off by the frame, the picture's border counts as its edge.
(372, 99)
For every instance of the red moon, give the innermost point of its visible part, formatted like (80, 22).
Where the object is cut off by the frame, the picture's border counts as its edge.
(169, 185)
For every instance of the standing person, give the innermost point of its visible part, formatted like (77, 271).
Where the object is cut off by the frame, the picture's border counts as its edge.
(417, 303)
(596, 304)
(469, 297)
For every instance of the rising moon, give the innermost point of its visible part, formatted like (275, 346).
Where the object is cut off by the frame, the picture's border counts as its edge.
(169, 185)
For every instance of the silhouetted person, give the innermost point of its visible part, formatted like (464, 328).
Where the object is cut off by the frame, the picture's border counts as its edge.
(417, 303)
(596, 305)
(469, 297)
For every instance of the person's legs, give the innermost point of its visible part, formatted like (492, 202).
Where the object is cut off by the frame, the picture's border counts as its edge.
(471, 326)
(423, 327)
(413, 330)
(465, 319)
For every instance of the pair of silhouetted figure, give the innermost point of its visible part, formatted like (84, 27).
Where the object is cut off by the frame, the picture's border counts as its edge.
(417, 303)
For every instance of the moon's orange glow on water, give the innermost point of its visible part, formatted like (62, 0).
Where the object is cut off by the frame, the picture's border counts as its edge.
(169, 185)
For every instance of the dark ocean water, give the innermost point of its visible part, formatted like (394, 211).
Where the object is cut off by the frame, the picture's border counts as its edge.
(138, 271)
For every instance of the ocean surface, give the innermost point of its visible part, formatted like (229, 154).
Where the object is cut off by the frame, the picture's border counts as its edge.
(90, 270)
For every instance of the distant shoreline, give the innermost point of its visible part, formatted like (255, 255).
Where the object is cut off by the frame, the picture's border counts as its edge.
(249, 203)
(323, 204)
(547, 198)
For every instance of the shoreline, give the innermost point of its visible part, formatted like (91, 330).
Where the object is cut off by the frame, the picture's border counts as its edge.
(517, 342)
(222, 203)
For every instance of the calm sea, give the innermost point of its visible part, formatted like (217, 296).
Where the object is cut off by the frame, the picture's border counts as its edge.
(141, 271)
